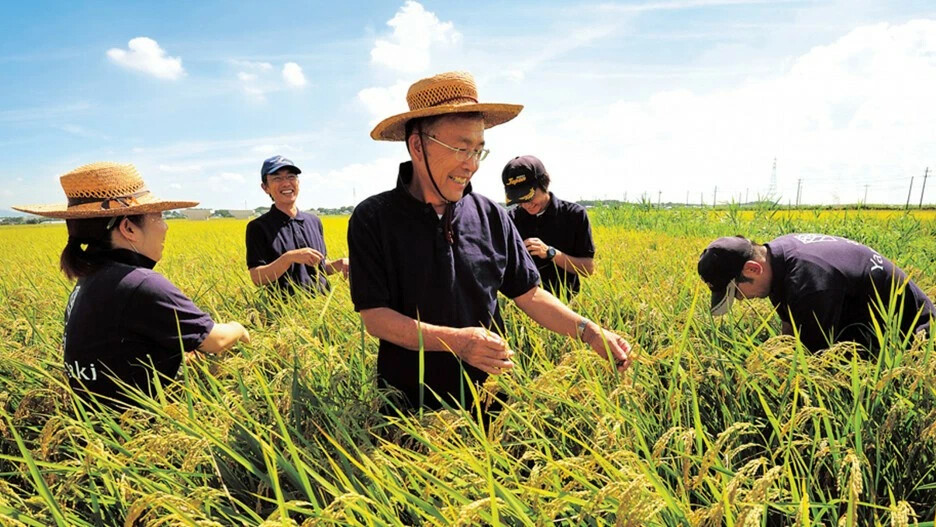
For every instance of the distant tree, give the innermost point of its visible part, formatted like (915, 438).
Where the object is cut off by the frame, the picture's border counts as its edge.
(222, 213)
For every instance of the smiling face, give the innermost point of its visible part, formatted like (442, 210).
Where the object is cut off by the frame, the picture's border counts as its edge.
(451, 175)
(283, 187)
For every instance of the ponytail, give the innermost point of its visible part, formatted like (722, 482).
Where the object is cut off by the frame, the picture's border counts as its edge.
(77, 262)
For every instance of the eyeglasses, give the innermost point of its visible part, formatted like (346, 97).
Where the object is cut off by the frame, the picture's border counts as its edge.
(463, 154)
(280, 178)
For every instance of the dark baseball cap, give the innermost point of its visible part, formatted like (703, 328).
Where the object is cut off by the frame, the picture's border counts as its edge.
(275, 163)
(520, 177)
(720, 264)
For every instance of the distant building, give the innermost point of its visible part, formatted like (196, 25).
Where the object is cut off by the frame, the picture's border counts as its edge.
(196, 214)
(241, 214)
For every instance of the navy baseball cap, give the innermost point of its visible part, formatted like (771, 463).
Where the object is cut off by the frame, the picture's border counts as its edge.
(720, 265)
(275, 163)
(520, 177)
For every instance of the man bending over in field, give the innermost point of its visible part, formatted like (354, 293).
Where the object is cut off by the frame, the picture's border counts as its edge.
(428, 257)
(829, 287)
(286, 246)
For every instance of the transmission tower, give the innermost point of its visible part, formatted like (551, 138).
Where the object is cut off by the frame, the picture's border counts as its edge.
(772, 191)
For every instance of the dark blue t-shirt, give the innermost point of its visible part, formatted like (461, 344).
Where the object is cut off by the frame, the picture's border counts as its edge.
(400, 259)
(827, 284)
(274, 233)
(123, 317)
(563, 225)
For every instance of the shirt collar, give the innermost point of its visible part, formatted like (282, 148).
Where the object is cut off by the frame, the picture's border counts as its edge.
(128, 257)
(283, 217)
(778, 269)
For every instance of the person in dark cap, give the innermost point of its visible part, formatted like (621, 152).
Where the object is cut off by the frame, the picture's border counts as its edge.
(429, 257)
(286, 246)
(826, 289)
(555, 232)
(124, 322)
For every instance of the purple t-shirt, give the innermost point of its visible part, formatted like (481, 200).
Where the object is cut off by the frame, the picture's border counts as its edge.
(275, 233)
(565, 226)
(123, 317)
(827, 283)
(400, 259)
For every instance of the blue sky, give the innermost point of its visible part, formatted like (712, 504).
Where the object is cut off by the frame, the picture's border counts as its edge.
(662, 99)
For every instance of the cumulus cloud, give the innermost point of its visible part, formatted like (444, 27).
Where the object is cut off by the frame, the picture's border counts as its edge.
(144, 54)
(251, 65)
(853, 112)
(293, 76)
(382, 102)
(415, 31)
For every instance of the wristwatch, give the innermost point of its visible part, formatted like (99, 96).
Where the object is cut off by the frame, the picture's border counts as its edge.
(550, 253)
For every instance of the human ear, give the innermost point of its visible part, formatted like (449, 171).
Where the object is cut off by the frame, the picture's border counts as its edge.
(753, 267)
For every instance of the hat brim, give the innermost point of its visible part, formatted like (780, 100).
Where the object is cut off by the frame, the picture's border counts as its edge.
(277, 168)
(520, 195)
(394, 128)
(723, 298)
(142, 205)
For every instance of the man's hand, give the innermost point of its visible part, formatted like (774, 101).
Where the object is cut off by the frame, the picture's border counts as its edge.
(305, 256)
(483, 350)
(338, 265)
(245, 335)
(536, 247)
(603, 340)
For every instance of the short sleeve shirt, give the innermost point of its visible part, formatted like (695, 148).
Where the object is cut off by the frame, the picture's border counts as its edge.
(400, 259)
(563, 225)
(825, 285)
(275, 233)
(123, 318)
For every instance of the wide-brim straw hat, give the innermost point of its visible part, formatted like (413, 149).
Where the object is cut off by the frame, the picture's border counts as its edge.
(102, 190)
(452, 92)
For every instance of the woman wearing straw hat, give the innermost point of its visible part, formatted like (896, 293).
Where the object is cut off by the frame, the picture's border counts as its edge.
(429, 257)
(123, 320)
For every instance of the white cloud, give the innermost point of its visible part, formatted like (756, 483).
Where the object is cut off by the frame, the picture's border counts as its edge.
(415, 31)
(181, 169)
(383, 102)
(251, 65)
(175, 186)
(246, 77)
(293, 76)
(144, 54)
(856, 111)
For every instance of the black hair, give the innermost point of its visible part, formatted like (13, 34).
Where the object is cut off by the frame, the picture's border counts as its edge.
(76, 262)
(543, 182)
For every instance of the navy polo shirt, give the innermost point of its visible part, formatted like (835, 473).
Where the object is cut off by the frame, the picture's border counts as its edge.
(401, 260)
(123, 317)
(828, 283)
(563, 225)
(274, 233)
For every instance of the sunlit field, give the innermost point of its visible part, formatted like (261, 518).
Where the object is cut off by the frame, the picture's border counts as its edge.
(719, 422)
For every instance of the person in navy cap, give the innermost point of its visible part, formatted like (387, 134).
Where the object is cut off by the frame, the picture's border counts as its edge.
(829, 289)
(286, 246)
(555, 232)
(123, 321)
(429, 257)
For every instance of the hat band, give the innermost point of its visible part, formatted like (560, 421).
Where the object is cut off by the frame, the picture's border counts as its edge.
(107, 203)
(460, 98)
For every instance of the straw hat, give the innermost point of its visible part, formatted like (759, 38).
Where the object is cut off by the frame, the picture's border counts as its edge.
(452, 92)
(104, 190)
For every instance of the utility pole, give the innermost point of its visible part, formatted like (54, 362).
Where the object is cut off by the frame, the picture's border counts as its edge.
(715, 196)
(702, 199)
(746, 194)
(908, 193)
(866, 195)
(799, 190)
(926, 173)
(659, 197)
(625, 196)
(687, 198)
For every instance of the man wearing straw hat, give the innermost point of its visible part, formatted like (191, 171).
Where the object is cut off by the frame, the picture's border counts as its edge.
(429, 257)
(556, 233)
(286, 246)
(124, 321)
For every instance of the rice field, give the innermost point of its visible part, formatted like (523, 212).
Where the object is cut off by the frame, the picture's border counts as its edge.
(719, 422)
